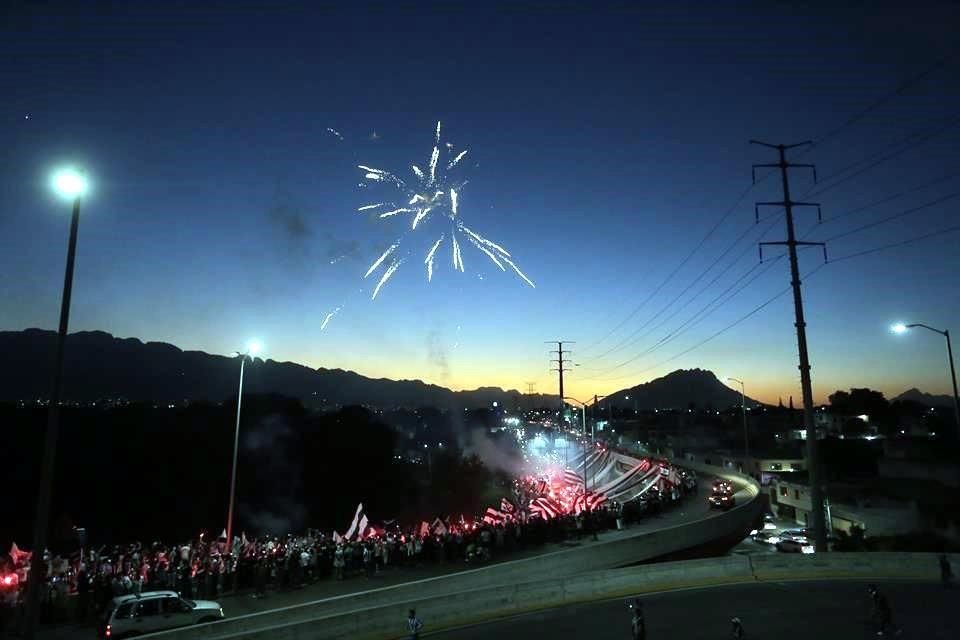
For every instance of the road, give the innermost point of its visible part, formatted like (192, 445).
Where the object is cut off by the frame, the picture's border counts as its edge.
(822, 610)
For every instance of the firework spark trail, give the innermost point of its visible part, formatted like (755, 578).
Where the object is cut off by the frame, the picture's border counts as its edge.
(425, 199)
(421, 214)
(457, 160)
(488, 252)
(457, 257)
(519, 273)
(380, 260)
(386, 276)
(433, 163)
(393, 212)
(479, 238)
(323, 325)
(429, 259)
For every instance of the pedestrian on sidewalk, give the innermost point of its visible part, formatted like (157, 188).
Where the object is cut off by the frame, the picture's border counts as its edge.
(946, 572)
(414, 624)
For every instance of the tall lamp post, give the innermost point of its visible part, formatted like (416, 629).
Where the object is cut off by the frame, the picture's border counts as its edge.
(583, 425)
(253, 348)
(743, 410)
(70, 185)
(903, 328)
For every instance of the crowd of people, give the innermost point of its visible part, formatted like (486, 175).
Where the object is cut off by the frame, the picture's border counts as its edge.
(207, 568)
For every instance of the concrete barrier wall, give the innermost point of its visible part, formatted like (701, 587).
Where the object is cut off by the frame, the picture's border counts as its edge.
(449, 610)
(549, 566)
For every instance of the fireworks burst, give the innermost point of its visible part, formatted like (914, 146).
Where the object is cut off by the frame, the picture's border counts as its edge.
(432, 193)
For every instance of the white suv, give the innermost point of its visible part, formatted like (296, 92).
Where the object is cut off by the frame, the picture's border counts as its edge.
(152, 611)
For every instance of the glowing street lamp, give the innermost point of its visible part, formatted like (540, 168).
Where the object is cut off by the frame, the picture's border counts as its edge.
(71, 185)
(743, 409)
(903, 328)
(254, 347)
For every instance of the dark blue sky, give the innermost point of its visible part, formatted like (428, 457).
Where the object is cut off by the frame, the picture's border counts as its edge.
(605, 140)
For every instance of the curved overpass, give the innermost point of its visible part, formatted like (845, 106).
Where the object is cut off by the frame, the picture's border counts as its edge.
(617, 549)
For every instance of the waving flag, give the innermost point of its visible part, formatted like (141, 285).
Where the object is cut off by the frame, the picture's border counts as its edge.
(356, 521)
(494, 517)
(572, 477)
(506, 506)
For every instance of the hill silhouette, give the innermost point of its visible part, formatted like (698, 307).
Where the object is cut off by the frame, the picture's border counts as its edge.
(99, 366)
(679, 390)
(926, 399)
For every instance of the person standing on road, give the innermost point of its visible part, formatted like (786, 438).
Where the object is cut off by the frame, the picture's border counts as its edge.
(638, 624)
(882, 613)
(736, 629)
(414, 624)
(946, 573)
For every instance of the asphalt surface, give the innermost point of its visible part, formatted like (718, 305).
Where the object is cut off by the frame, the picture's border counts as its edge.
(838, 610)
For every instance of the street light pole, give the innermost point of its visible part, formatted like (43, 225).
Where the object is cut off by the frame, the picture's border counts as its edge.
(901, 328)
(583, 428)
(743, 410)
(70, 184)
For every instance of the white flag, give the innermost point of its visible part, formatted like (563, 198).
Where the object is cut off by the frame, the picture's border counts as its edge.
(353, 525)
(362, 529)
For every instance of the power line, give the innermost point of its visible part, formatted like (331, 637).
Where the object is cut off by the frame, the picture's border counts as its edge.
(894, 216)
(876, 160)
(629, 340)
(698, 316)
(783, 292)
(894, 245)
(819, 141)
(882, 100)
(892, 197)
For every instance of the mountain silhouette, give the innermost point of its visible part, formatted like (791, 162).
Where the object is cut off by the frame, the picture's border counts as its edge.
(926, 399)
(99, 366)
(679, 390)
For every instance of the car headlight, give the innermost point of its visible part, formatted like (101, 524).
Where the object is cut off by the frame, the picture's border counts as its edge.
(221, 612)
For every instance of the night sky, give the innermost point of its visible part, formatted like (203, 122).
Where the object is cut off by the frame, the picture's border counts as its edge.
(605, 142)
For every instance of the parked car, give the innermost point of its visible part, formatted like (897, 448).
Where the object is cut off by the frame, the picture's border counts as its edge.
(153, 611)
(765, 537)
(800, 535)
(794, 546)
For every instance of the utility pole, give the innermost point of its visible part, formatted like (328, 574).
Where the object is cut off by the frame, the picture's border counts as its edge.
(813, 460)
(562, 363)
(531, 392)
